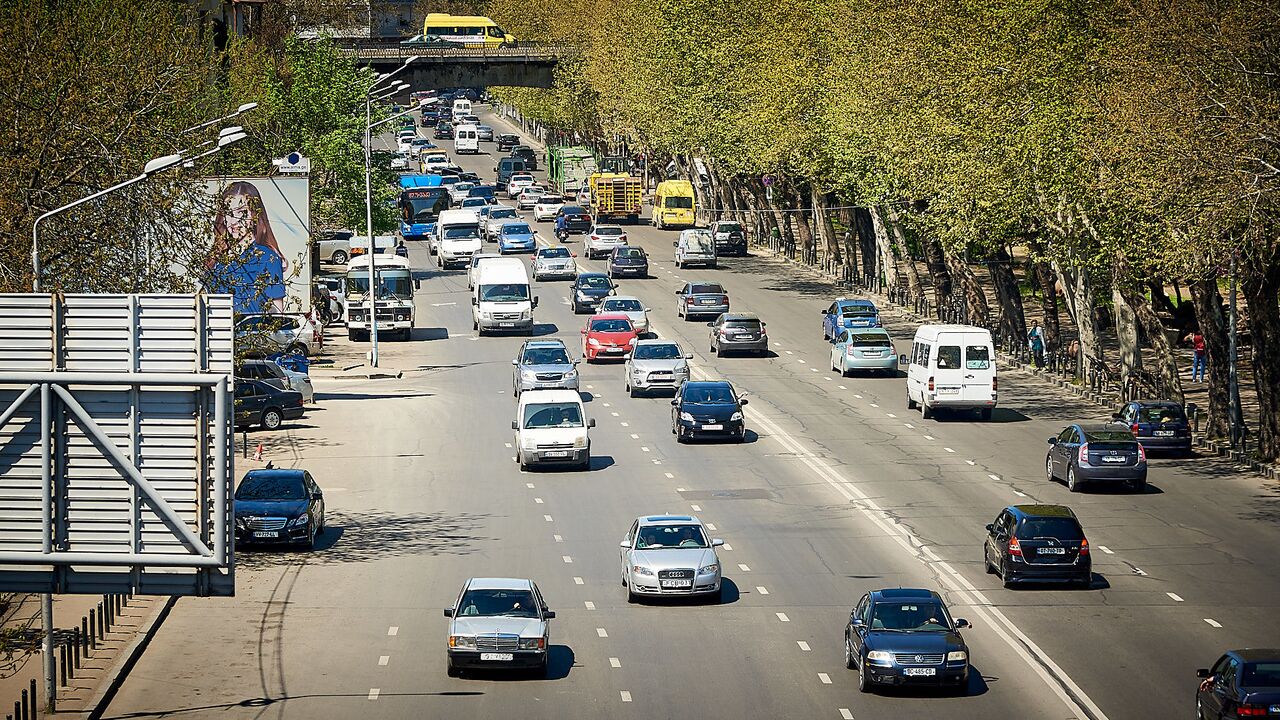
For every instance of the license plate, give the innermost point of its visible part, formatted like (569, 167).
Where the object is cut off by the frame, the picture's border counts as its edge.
(677, 583)
(744, 337)
(1163, 433)
(948, 391)
(1112, 459)
(497, 657)
(264, 534)
(660, 375)
(1053, 551)
(1274, 709)
(919, 672)
(712, 427)
(506, 324)
(556, 453)
(384, 326)
(705, 301)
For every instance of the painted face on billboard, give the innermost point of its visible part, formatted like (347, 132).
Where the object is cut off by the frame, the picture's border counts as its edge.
(249, 263)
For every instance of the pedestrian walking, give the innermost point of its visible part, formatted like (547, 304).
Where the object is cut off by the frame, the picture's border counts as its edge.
(1035, 339)
(1197, 356)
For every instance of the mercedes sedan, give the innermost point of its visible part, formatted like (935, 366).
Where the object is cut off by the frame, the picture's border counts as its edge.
(904, 636)
(496, 624)
(669, 555)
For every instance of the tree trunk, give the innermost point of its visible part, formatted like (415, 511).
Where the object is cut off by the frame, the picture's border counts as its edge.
(884, 252)
(1166, 363)
(1212, 320)
(1126, 322)
(900, 239)
(1049, 304)
(976, 309)
(826, 232)
(1078, 286)
(936, 261)
(865, 229)
(808, 250)
(1262, 293)
(1013, 320)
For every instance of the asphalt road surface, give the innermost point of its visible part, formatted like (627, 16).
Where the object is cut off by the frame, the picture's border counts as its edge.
(838, 490)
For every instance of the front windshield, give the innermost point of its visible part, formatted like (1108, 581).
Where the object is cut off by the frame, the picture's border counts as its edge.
(505, 292)
(556, 252)
(390, 282)
(708, 395)
(909, 617)
(611, 326)
(656, 352)
(271, 487)
(660, 537)
(516, 229)
(546, 356)
(622, 305)
(595, 281)
(461, 232)
(497, 603)
(552, 415)
(502, 212)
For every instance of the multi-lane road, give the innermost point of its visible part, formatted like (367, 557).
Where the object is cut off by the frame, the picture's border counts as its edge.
(838, 490)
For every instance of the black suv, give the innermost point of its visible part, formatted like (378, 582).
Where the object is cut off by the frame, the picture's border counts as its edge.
(1038, 543)
(905, 636)
(525, 153)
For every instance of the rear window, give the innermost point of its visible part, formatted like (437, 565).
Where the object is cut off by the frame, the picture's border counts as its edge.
(1108, 436)
(743, 324)
(706, 288)
(1261, 674)
(948, 357)
(1161, 414)
(977, 357)
(1050, 527)
(869, 341)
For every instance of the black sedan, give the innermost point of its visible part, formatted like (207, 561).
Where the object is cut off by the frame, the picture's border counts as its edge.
(707, 409)
(589, 290)
(1242, 684)
(1038, 543)
(444, 130)
(1157, 424)
(507, 141)
(279, 507)
(576, 219)
(258, 403)
(628, 260)
(1096, 453)
(905, 636)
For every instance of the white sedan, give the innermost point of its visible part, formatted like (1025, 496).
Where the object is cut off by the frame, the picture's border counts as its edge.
(547, 207)
(517, 183)
(529, 197)
(433, 161)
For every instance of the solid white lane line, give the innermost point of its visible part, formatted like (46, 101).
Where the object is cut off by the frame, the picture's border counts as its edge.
(393, 630)
(743, 568)
(384, 659)
(589, 605)
(1174, 597)
(558, 538)
(615, 662)
(567, 559)
(626, 695)
(657, 461)
(538, 501)
(373, 693)
(804, 646)
(782, 617)
(696, 508)
(762, 590)
(578, 581)
(845, 714)
(824, 678)
(1213, 623)
(547, 518)
(602, 632)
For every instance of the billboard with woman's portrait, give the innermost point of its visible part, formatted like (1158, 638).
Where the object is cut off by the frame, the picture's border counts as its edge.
(261, 228)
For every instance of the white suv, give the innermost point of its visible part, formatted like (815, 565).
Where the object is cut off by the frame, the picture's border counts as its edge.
(551, 428)
(547, 207)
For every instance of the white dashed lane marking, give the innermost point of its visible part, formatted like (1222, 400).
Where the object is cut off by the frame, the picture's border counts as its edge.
(948, 449)
(1213, 623)
(384, 659)
(804, 646)
(602, 632)
(743, 568)
(727, 546)
(578, 581)
(635, 436)
(994, 477)
(529, 485)
(558, 538)
(589, 605)
(762, 590)
(845, 714)
(373, 693)
(971, 462)
(928, 437)
(626, 696)
(393, 630)
(842, 387)
(568, 560)
(782, 617)
(1174, 597)
(669, 476)
(711, 527)
(538, 500)
(824, 678)
(1106, 549)
(547, 518)
(615, 662)
(696, 508)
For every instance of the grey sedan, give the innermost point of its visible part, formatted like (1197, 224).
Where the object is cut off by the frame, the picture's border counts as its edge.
(669, 555)
(656, 365)
(738, 332)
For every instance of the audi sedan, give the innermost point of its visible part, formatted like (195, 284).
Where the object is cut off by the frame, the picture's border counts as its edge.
(905, 636)
(1096, 453)
(669, 555)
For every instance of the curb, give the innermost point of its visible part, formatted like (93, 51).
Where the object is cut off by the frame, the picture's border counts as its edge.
(120, 672)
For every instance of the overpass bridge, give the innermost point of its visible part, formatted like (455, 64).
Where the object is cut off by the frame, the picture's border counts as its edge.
(526, 65)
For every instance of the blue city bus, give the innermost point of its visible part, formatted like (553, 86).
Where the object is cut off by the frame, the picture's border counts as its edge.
(422, 199)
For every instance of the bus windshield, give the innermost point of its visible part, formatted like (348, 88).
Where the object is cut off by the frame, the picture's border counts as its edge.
(397, 283)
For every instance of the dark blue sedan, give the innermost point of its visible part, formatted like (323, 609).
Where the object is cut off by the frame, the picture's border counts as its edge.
(1242, 684)
(589, 290)
(905, 636)
(708, 409)
(279, 507)
(628, 260)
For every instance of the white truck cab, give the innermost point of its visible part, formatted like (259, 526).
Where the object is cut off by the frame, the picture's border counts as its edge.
(952, 367)
(457, 237)
(501, 298)
(551, 428)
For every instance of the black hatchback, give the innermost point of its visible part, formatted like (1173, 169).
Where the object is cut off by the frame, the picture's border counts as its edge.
(628, 260)
(1241, 684)
(576, 218)
(707, 409)
(444, 130)
(1157, 424)
(589, 290)
(1038, 543)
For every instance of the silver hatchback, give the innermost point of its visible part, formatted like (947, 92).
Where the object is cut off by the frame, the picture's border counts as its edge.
(656, 365)
(543, 365)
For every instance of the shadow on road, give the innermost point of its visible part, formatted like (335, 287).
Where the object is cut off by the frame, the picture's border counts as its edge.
(265, 702)
(429, 334)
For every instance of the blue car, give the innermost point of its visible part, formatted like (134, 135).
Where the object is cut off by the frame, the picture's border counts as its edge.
(516, 237)
(279, 507)
(905, 636)
(848, 314)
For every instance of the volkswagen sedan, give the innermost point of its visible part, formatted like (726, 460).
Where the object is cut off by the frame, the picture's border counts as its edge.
(905, 636)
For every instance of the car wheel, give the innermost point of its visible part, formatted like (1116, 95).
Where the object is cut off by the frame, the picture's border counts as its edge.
(339, 258)
(1072, 484)
(1004, 576)
(296, 349)
(926, 412)
(351, 335)
(911, 404)
(986, 562)
(849, 661)
(272, 419)
(864, 683)
(632, 598)
(1048, 469)
(310, 544)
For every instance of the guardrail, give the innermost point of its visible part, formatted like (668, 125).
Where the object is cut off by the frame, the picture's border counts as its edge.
(376, 50)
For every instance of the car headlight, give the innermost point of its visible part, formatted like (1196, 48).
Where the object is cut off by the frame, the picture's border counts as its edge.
(580, 443)
(537, 643)
(593, 342)
(641, 570)
(735, 417)
(957, 656)
(242, 522)
(300, 520)
(486, 316)
(583, 296)
(686, 417)
(528, 444)
(706, 569)
(525, 314)
(462, 641)
(569, 374)
(881, 657)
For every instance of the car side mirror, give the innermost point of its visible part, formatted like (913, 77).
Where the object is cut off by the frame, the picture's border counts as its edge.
(591, 423)
(515, 361)
(717, 542)
(742, 401)
(711, 324)
(675, 244)
(549, 614)
(675, 401)
(855, 621)
(583, 331)
(688, 356)
(962, 623)
(648, 310)
(448, 612)
(1202, 673)
(625, 545)
(515, 425)
(990, 527)
(1053, 441)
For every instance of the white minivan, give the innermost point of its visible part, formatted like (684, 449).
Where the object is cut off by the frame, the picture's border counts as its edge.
(461, 106)
(457, 237)
(466, 139)
(501, 298)
(551, 427)
(952, 367)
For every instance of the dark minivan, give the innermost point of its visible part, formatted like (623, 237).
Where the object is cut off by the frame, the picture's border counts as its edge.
(525, 153)
(1097, 452)
(1157, 424)
(507, 167)
(1038, 543)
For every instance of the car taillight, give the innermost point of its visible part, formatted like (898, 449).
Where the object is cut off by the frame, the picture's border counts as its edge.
(1251, 710)
(1015, 548)
(1134, 429)
(688, 301)
(1083, 457)
(1142, 453)
(1084, 547)
(930, 384)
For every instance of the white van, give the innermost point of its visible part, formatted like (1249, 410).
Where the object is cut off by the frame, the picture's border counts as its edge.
(461, 106)
(551, 427)
(501, 299)
(457, 237)
(952, 367)
(466, 139)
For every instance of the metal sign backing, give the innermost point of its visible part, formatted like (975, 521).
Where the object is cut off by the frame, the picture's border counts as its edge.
(116, 431)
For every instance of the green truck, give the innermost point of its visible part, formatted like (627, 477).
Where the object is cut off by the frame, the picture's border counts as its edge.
(568, 168)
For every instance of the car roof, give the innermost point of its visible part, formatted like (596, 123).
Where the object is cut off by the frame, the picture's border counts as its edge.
(1157, 403)
(499, 584)
(739, 316)
(898, 594)
(282, 474)
(622, 297)
(1256, 654)
(550, 396)
(543, 343)
(1060, 511)
(653, 519)
(855, 332)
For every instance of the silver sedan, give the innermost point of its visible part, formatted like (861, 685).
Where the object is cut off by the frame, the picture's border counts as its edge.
(669, 555)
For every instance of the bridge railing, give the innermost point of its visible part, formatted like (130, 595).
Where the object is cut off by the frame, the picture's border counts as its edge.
(379, 49)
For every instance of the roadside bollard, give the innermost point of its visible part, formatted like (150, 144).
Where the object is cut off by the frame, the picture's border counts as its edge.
(75, 634)
(34, 700)
(102, 622)
(23, 708)
(86, 626)
(63, 657)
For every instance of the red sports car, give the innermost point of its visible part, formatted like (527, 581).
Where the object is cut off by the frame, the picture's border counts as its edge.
(608, 336)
